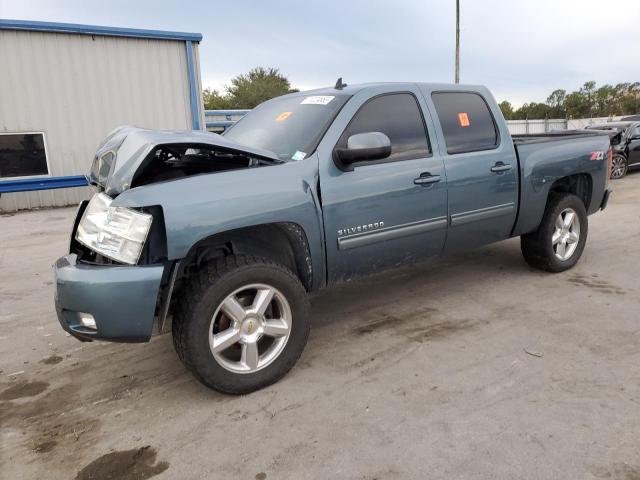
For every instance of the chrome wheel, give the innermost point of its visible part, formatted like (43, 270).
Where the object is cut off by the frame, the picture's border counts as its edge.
(250, 329)
(618, 166)
(566, 235)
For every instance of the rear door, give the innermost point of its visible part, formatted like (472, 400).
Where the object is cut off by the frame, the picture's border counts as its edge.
(388, 212)
(481, 167)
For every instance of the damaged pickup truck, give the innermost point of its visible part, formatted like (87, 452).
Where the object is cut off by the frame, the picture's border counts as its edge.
(219, 239)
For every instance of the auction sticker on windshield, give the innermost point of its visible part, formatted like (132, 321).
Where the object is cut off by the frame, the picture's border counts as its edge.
(317, 100)
(298, 155)
(283, 116)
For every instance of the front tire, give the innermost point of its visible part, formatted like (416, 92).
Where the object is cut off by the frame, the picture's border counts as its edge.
(560, 239)
(618, 166)
(241, 323)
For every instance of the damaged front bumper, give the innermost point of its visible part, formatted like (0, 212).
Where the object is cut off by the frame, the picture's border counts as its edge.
(119, 301)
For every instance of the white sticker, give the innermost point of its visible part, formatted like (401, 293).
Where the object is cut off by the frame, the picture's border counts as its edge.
(317, 100)
(298, 155)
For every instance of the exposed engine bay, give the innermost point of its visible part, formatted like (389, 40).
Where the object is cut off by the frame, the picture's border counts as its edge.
(174, 161)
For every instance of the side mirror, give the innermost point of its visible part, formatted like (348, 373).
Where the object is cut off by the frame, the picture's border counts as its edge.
(365, 146)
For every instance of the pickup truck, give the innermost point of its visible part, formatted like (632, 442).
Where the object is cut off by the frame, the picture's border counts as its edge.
(220, 238)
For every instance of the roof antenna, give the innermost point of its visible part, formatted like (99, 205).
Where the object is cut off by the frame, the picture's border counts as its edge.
(339, 84)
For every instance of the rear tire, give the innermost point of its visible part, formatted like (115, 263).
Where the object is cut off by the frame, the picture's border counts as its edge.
(241, 323)
(560, 239)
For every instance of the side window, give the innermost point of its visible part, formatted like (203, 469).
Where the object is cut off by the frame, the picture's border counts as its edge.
(636, 132)
(396, 115)
(466, 121)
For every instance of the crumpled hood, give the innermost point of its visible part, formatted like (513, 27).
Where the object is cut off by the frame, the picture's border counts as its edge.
(123, 151)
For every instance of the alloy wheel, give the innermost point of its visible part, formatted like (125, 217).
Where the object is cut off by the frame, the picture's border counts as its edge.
(618, 166)
(566, 235)
(250, 328)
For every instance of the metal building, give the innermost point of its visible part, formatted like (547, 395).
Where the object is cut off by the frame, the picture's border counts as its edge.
(64, 87)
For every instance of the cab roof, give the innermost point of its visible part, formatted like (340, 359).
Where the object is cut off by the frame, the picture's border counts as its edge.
(355, 88)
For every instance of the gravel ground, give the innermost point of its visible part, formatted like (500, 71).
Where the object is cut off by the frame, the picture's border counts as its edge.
(471, 366)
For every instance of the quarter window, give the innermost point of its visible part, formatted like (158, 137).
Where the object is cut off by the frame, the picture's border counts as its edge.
(22, 155)
(466, 121)
(396, 115)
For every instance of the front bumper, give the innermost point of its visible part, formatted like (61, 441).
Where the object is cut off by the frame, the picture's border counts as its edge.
(121, 299)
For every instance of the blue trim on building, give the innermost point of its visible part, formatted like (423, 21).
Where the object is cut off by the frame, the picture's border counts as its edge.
(210, 113)
(29, 25)
(46, 183)
(193, 88)
(223, 124)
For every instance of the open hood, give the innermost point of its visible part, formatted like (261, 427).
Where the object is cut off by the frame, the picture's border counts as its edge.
(132, 156)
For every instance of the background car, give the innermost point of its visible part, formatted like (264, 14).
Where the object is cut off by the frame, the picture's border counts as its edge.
(626, 147)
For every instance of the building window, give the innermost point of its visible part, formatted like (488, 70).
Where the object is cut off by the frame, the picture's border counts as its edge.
(22, 155)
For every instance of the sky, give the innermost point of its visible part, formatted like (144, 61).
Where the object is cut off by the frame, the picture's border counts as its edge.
(521, 49)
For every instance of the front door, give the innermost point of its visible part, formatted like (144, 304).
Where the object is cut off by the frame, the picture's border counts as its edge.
(388, 212)
(482, 171)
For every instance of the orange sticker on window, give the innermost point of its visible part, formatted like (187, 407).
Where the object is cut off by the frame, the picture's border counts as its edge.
(283, 116)
(464, 119)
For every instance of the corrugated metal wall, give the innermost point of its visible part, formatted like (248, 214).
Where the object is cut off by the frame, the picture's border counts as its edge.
(77, 88)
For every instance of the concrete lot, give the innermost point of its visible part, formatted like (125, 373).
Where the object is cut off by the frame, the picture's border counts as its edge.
(473, 366)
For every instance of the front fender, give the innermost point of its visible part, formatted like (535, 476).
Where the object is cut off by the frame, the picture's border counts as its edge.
(198, 207)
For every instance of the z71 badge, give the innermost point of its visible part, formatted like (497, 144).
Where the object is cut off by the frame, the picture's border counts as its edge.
(360, 228)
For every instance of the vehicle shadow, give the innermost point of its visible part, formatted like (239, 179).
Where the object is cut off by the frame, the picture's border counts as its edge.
(154, 369)
(432, 281)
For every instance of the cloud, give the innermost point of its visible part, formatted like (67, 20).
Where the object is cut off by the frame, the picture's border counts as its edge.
(521, 50)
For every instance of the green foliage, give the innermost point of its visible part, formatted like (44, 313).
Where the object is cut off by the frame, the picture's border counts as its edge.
(249, 90)
(507, 109)
(588, 101)
(214, 101)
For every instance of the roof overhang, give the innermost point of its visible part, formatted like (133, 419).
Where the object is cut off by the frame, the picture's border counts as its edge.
(33, 26)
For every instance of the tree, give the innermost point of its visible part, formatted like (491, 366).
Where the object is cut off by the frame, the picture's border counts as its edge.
(214, 101)
(507, 109)
(576, 105)
(260, 84)
(556, 103)
(248, 90)
(587, 91)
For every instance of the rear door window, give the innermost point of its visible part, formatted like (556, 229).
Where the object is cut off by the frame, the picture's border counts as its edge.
(466, 121)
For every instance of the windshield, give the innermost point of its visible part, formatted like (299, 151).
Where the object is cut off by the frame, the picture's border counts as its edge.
(290, 126)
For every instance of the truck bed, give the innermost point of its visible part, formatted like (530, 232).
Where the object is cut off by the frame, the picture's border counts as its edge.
(543, 158)
(554, 136)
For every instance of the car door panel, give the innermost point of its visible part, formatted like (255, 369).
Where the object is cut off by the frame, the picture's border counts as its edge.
(481, 168)
(384, 214)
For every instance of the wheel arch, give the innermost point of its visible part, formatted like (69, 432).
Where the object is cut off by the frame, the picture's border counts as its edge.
(579, 184)
(282, 242)
(534, 201)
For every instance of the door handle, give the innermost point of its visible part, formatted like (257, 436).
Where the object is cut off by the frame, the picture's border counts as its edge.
(426, 179)
(500, 167)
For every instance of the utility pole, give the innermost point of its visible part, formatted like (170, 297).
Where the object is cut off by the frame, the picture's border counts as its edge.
(457, 41)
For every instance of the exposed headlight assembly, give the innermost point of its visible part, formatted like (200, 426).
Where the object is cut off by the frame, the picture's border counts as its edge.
(102, 167)
(118, 233)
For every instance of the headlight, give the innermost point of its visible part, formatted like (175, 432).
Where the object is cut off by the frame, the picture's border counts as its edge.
(102, 166)
(118, 233)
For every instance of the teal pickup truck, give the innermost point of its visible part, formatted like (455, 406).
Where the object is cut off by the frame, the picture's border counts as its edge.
(219, 239)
